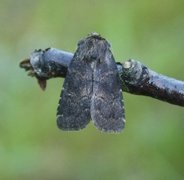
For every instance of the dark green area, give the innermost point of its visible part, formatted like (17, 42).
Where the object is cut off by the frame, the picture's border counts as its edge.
(32, 147)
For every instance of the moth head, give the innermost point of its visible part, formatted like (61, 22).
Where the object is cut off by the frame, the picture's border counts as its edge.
(93, 46)
(92, 37)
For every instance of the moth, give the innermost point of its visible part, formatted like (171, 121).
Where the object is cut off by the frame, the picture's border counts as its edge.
(92, 89)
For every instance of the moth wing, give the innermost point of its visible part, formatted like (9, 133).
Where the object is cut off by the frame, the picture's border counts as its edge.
(73, 112)
(107, 108)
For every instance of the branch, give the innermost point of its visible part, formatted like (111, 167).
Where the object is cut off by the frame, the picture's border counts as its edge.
(136, 78)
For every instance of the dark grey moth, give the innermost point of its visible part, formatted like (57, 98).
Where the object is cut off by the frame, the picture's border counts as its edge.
(92, 89)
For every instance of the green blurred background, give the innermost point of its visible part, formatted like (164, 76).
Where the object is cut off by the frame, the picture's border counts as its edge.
(31, 145)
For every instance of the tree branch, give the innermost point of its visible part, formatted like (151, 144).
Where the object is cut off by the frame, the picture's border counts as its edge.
(136, 78)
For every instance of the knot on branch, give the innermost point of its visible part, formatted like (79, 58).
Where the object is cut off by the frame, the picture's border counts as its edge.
(134, 73)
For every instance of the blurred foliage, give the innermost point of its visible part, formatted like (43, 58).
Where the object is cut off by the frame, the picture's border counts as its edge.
(32, 147)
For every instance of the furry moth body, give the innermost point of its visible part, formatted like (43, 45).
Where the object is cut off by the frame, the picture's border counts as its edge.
(92, 89)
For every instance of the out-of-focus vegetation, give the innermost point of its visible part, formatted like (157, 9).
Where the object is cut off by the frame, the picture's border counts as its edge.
(32, 147)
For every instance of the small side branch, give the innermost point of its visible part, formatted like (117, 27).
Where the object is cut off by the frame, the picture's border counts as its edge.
(136, 78)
